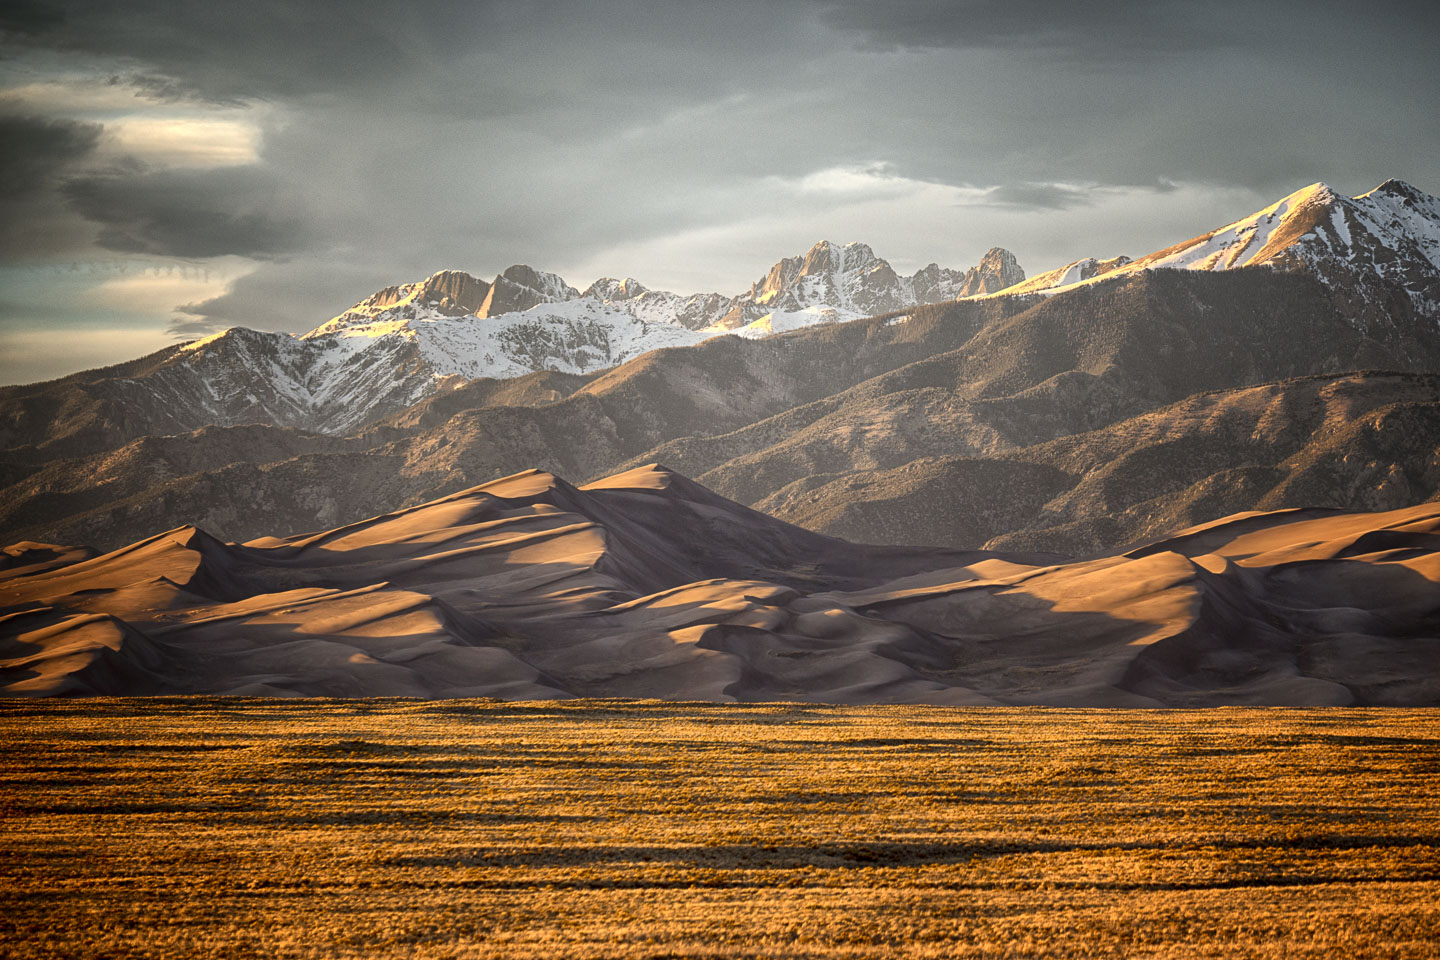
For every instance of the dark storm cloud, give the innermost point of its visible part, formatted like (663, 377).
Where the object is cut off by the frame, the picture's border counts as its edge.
(164, 89)
(36, 151)
(1039, 196)
(520, 52)
(27, 17)
(237, 211)
(261, 48)
(194, 329)
(278, 49)
(35, 155)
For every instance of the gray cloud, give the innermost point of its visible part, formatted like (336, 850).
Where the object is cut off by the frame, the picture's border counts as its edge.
(289, 296)
(21, 18)
(1039, 196)
(284, 49)
(1119, 28)
(261, 48)
(163, 89)
(1112, 31)
(189, 213)
(38, 151)
(201, 326)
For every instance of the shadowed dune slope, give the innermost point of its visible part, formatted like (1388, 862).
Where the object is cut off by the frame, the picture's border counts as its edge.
(646, 584)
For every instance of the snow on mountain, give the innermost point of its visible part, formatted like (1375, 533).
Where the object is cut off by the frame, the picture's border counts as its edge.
(841, 282)
(410, 340)
(693, 312)
(1365, 248)
(250, 376)
(458, 326)
(573, 336)
(453, 293)
(832, 283)
(1069, 275)
(1399, 209)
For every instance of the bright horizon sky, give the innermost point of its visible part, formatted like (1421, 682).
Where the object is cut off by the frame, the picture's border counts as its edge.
(170, 171)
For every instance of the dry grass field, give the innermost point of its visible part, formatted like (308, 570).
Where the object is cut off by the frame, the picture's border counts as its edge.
(291, 828)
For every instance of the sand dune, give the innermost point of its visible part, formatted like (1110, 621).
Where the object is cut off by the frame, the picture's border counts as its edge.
(646, 584)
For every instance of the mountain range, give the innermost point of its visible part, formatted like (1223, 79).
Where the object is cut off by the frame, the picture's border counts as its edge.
(1288, 360)
(410, 341)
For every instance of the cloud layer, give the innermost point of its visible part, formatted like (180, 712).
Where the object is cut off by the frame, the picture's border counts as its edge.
(688, 144)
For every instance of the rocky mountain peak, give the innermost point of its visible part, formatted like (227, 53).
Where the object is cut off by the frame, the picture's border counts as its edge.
(822, 258)
(1319, 190)
(524, 275)
(1079, 271)
(829, 258)
(386, 296)
(610, 289)
(934, 283)
(1398, 189)
(453, 324)
(453, 292)
(783, 274)
(520, 287)
(996, 270)
(1401, 208)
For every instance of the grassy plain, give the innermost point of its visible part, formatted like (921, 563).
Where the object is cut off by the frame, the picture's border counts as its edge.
(290, 828)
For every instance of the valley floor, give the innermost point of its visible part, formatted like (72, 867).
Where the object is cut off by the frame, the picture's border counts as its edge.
(301, 828)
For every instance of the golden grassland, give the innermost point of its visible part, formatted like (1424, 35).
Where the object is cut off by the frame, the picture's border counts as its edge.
(289, 828)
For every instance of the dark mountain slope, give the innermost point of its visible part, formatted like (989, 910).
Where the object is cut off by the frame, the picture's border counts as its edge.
(1355, 442)
(1069, 364)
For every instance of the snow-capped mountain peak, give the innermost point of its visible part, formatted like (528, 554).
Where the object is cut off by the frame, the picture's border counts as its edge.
(608, 288)
(831, 282)
(1253, 240)
(521, 287)
(446, 292)
(823, 263)
(1401, 211)
(449, 293)
(453, 290)
(1365, 248)
(1401, 192)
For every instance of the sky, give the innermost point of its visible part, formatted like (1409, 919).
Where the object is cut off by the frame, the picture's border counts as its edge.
(170, 170)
